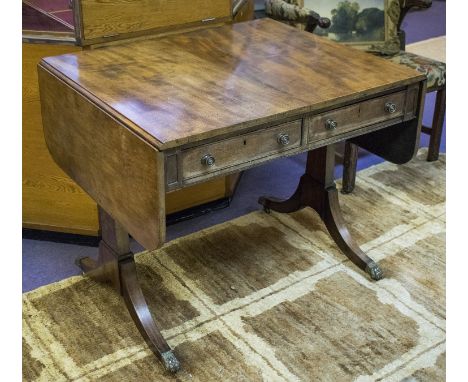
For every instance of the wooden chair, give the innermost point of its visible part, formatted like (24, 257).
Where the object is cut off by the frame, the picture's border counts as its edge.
(293, 13)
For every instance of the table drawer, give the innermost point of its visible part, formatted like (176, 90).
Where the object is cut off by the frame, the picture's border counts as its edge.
(348, 118)
(239, 150)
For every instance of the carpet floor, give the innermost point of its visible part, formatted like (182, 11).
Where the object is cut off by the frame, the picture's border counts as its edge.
(269, 298)
(433, 48)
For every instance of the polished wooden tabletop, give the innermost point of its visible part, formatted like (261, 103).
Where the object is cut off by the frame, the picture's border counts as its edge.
(191, 86)
(255, 91)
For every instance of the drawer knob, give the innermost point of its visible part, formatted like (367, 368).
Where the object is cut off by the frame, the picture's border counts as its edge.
(331, 124)
(390, 107)
(283, 139)
(208, 160)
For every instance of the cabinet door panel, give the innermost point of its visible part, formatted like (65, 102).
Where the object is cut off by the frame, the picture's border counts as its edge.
(98, 20)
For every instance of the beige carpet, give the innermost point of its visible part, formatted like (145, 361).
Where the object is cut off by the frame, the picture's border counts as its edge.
(432, 48)
(269, 298)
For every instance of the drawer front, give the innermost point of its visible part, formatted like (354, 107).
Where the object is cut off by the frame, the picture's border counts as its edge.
(362, 114)
(216, 156)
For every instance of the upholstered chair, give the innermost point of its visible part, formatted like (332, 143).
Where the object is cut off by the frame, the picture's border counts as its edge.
(294, 13)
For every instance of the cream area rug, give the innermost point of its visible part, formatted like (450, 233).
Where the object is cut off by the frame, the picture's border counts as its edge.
(269, 298)
(432, 48)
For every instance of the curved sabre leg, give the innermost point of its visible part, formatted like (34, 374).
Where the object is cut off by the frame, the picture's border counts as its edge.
(317, 190)
(294, 203)
(336, 226)
(117, 265)
(141, 315)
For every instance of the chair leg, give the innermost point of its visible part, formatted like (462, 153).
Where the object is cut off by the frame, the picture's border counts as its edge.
(349, 167)
(437, 126)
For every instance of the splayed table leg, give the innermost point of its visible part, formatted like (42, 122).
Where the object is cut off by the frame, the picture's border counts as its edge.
(116, 265)
(317, 190)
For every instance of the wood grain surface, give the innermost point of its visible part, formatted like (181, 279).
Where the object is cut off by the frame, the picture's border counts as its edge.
(51, 200)
(243, 10)
(355, 116)
(122, 17)
(122, 174)
(192, 86)
(240, 149)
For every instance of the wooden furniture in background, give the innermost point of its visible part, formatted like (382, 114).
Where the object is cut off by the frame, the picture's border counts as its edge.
(240, 102)
(393, 49)
(436, 73)
(243, 10)
(90, 22)
(51, 200)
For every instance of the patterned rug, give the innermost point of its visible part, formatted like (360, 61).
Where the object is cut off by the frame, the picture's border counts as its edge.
(269, 298)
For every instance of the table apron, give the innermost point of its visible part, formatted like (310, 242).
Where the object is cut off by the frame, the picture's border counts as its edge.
(186, 166)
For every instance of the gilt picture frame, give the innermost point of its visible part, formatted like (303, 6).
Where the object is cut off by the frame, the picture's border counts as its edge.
(370, 25)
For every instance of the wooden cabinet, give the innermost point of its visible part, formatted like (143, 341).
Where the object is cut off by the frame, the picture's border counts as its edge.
(95, 21)
(51, 200)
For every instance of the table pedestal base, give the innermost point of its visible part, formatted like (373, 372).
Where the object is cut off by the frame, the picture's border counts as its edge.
(117, 266)
(317, 190)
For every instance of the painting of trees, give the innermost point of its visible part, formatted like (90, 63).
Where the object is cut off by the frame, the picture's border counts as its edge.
(344, 17)
(370, 22)
(353, 20)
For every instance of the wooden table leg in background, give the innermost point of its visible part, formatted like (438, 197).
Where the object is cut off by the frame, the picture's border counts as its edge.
(349, 167)
(317, 190)
(116, 265)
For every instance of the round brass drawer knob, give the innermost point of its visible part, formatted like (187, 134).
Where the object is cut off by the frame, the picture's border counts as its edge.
(390, 107)
(283, 139)
(331, 124)
(208, 160)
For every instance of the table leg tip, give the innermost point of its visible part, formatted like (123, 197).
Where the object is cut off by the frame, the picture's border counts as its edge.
(374, 271)
(84, 262)
(171, 363)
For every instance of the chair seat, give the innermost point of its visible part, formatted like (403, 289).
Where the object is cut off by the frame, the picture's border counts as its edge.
(434, 70)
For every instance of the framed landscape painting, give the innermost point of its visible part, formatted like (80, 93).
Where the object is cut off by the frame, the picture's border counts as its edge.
(368, 24)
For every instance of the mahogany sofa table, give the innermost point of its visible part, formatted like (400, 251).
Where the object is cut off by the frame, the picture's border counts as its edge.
(132, 122)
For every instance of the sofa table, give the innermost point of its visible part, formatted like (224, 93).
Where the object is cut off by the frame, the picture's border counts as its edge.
(133, 122)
